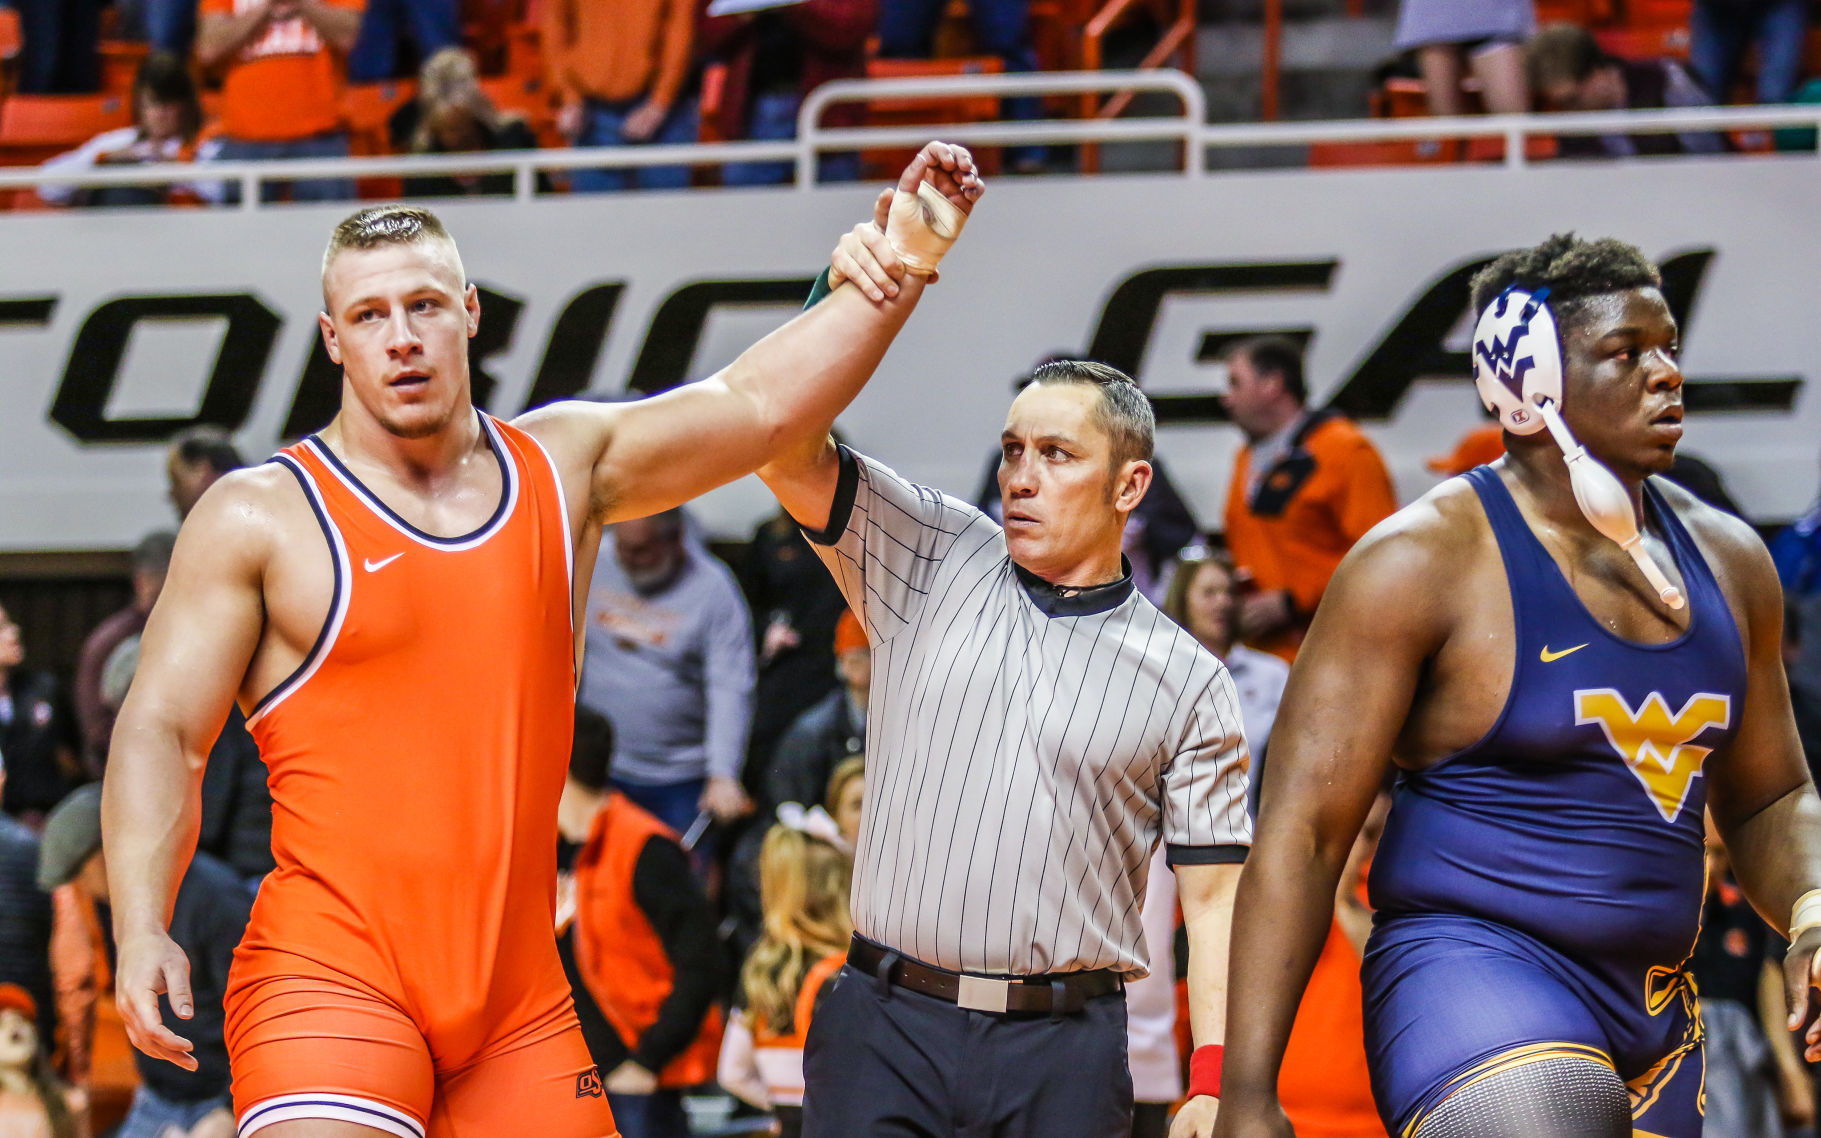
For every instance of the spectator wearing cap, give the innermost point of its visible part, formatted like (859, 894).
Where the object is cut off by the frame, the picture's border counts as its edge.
(196, 459)
(637, 937)
(38, 735)
(1570, 71)
(207, 922)
(167, 115)
(151, 560)
(25, 916)
(669, 663)
(620, 71)
(1305, 487)
(283, 63)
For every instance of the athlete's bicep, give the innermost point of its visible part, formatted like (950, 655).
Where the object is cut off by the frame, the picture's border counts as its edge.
(1383, 616)
(203, 631)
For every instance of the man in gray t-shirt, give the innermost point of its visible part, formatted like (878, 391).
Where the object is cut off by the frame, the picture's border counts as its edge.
(1035, 728)
(669, 663)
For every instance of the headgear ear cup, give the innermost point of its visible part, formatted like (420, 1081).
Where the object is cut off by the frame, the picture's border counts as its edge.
(1517, 366)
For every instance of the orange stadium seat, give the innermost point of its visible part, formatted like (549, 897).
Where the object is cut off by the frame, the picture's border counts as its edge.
(1645, 42)
(36, 127)
(366, 107)
(1655, 13)
(526, 96)
(927, 110)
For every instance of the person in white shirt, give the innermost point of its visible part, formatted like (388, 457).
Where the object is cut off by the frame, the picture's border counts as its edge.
(167, 115)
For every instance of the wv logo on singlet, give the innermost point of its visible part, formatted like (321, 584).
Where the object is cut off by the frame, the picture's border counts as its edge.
(1656, 744)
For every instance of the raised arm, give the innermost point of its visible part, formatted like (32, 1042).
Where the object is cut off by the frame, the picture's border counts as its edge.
(774, 404)
(1330, 750)
(192, 658)
(219, 36)
(1763, 803)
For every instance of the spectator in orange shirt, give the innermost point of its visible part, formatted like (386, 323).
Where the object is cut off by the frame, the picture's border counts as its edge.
(619, 70)
(1307, 485)
(284, 63)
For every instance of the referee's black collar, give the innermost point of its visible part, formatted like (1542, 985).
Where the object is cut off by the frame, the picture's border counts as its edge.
(1063, 600)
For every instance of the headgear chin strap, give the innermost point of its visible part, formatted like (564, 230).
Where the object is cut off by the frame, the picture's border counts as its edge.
(1517, 366)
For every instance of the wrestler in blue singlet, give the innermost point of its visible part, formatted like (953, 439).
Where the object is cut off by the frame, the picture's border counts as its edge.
(1539, 893)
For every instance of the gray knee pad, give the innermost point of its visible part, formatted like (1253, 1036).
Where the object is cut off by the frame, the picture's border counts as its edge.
(1563, 1097)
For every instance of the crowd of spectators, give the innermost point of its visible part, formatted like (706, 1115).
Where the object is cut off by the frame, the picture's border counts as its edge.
(660, 72)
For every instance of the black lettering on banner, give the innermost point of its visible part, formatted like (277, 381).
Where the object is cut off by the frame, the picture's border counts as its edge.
(1682, 277)
(1416, 346)
(1130, 317)
(319, 389)
(676, 329)
(33, 310)
(575, 345)
(100, 348)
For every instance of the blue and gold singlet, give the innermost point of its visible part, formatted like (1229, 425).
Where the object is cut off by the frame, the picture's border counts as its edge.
(1539, 893)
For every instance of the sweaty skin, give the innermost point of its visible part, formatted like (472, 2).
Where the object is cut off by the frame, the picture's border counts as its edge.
(1424, 599)
(250, 583)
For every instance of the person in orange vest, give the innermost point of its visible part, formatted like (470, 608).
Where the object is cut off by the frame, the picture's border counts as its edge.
(1305, 487)
(637, 937)
(805, 876)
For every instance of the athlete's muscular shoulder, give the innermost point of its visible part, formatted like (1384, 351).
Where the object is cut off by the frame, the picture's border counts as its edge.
(1410, 568)
(255, 535)
(576, 434)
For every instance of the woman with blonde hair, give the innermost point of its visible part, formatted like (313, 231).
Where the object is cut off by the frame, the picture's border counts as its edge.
(805, 876)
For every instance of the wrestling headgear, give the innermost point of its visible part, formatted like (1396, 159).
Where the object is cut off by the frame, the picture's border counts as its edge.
(1517, 359)
(1517, 366)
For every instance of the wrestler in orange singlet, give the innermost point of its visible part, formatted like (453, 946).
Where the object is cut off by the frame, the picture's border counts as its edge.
(393, 602)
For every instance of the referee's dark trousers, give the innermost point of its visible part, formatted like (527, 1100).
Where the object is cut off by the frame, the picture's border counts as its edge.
(884, 1060)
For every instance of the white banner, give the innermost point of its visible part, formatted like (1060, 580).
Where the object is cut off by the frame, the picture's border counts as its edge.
(116, 328)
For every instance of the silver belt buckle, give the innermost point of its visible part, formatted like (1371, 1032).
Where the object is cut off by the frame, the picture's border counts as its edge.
(983, 994)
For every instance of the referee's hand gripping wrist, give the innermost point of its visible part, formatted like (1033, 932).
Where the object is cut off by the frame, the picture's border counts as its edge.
(931, 204)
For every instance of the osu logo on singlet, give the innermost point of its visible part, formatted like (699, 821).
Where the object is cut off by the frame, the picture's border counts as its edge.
(588, 1084)
(1657, 745)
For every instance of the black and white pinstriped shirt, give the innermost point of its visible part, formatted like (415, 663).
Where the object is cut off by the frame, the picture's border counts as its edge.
(1026, 749)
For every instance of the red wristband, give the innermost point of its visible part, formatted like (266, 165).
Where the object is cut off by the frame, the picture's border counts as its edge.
(1204, 1069)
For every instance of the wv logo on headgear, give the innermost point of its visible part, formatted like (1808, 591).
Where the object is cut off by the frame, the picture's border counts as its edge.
(1500, 355)
(1657, 745)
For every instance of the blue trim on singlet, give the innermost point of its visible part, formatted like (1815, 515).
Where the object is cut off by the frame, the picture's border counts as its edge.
(310, 494)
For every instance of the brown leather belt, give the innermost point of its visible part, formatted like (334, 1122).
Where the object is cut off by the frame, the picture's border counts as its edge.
(1053, 994)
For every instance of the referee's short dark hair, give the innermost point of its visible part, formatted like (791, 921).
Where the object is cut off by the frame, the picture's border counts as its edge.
(592, 755)
(1125, 412)
(1274, 355)
(207, 445)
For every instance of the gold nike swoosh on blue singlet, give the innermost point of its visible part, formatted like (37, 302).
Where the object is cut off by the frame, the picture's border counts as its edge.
(1551, 657)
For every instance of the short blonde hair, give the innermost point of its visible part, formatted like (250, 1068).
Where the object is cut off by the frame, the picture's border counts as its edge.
(380, 225)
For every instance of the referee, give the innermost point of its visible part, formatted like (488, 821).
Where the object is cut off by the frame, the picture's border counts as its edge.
(1034, 727)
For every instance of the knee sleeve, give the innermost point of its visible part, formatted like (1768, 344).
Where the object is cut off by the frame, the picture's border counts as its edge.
(1563, 1097)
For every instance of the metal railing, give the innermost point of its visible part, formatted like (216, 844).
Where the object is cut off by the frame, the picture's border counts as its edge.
(1185, 127)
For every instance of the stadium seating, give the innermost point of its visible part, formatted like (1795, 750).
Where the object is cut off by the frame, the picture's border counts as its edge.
(36, 127)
